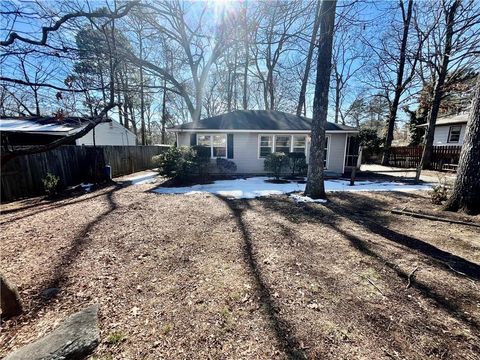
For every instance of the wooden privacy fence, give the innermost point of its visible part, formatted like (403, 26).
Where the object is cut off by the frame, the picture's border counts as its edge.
(22, 176)
(410, 156)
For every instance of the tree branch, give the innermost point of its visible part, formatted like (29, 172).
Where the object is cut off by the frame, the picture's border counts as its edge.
(47, 29)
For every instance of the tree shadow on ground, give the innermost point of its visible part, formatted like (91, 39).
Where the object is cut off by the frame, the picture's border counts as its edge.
(77, 246)
(281, 328)
(49, 205)
(357, 211)
(360, 209)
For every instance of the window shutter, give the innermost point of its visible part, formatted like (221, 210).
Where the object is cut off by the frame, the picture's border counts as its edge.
(193, 139)
(229, 146)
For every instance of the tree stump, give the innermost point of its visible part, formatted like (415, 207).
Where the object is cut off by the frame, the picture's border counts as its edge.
(11, 304)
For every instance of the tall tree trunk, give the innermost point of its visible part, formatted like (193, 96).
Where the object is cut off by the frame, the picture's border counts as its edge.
(308, 63)
(466, 191)
(337, 100)
(164, 110)
(315, 185)
(245, 77)
(392, 117)
(142, 95)
(438, 90)
(37, 102)
(247, 55)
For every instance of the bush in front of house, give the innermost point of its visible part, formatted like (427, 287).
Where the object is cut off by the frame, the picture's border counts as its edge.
(50, 183)
(201, 160)
(275, 163)
(297, 164)
(226, 166)
(183, 163)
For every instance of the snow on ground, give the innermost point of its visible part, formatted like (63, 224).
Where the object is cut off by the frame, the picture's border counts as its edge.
(145, 177)
(253, 187)
(302, 199)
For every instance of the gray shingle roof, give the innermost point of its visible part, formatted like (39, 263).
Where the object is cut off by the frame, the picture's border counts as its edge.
(257, 120)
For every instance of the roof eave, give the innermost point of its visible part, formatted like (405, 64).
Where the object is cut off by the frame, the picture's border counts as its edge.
(258, 131)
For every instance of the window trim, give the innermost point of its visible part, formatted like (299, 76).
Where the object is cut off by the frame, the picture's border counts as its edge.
(259, 137)
(306, 149)
(282, 135)
(211, 144)
(450, 134)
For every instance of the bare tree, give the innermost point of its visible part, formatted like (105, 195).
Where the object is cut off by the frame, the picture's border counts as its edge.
(308, 61)
(466, 191)
(315, 180)
(452, 46)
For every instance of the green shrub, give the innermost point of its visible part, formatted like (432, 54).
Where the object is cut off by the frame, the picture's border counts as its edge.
(275, 163)
(183, 163)
(372, 144)
(297, 163)
(226, 166)
(201, 160)
(50, 183)
(167, 161)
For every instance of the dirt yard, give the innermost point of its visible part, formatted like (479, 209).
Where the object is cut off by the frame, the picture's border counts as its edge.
(200, 277)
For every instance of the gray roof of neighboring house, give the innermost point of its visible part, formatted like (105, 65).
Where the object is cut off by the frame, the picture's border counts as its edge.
(44, 125)
(257, 120)
(450, 120)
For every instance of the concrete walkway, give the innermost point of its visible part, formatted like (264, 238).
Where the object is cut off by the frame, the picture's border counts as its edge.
(426, 175)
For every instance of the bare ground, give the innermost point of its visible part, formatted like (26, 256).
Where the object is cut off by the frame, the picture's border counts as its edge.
(183, 277)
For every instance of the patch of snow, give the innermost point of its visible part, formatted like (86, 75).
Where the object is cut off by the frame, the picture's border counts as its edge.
(303, 199)
(145, 178)
(253, 187)
(86, 186)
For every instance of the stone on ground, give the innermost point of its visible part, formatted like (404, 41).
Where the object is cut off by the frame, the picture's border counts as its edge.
(75, 338)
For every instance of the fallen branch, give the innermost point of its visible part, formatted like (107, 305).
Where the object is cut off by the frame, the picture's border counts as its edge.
(431, 217)
(410, 277)
(460, 273)
(372, 283)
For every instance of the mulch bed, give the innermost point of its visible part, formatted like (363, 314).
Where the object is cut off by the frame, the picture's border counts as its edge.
(198, 276)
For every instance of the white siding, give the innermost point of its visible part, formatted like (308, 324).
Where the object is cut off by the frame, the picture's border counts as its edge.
(245, 152)
(112, 133)
(441, 135)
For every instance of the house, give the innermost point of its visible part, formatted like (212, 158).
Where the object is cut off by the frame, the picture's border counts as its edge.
(450, 130)
(44, 130)
(248, 136)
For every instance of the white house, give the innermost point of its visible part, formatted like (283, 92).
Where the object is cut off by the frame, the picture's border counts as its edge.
(247, 136)
(109, 133)
(450, 130)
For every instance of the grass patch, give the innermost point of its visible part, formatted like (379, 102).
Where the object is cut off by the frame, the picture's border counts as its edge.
(116, 337)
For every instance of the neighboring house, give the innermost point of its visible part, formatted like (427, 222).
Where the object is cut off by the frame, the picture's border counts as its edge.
(449, 130)
(43, 130)
(248, 136)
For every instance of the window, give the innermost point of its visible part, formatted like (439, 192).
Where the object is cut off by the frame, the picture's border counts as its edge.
(282, 143)
(266, 143)
(454, 134)
(203, 140)
(299, 143)
(219, 146)
(216, 143)
(325, 154)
